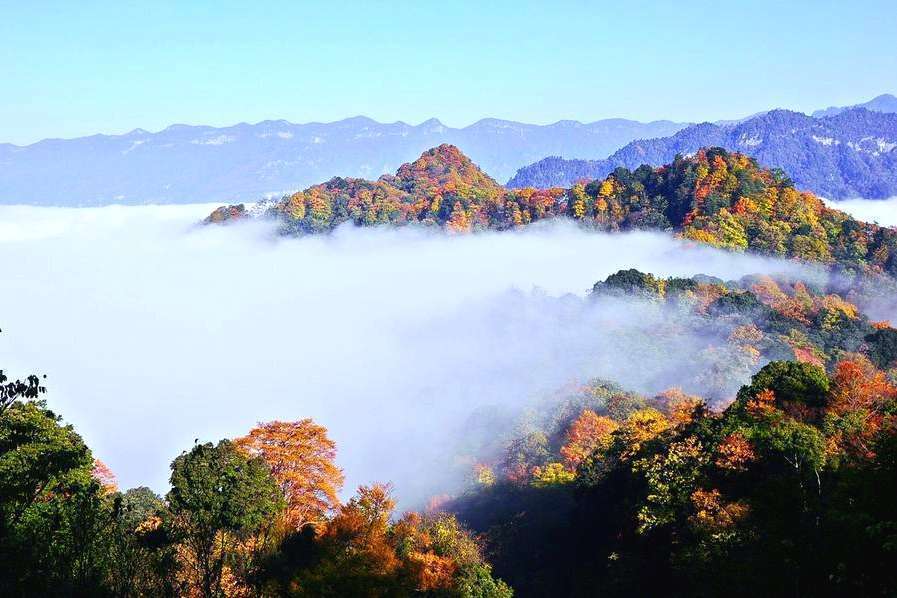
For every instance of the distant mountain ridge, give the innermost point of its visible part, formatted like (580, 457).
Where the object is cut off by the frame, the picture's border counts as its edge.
(849, 154)
(184, 163)
(883, 103)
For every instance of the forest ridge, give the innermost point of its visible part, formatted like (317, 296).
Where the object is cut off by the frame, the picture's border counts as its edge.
(724, 199)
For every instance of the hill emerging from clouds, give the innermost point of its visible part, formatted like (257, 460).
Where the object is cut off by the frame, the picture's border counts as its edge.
(188, 164)
(849, 154)
(720, 198)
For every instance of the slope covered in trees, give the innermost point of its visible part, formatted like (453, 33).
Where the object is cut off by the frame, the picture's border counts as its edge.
(716, 197)
(849, 154)
(789, 490)
(784, 486)
(257, 516)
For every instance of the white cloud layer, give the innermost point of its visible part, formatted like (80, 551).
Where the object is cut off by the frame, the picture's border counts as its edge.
(154, 332)
(882, 211)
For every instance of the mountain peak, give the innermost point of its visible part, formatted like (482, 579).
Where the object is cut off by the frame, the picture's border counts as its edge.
(883, 103)
(442, 165)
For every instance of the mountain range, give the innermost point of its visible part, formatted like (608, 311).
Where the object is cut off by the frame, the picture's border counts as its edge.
(185, 164)
(883, 103)
(837, 152)
(850, 153)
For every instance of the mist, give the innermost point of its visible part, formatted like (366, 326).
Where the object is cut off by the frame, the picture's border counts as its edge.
(155, 332)
(882, 211)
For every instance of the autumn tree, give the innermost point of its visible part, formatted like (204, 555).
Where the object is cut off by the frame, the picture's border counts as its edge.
(300, 456)
(585, 435)
(362, 553)
(105, 476)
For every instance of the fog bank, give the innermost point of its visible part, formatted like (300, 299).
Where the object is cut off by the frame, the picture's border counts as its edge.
(154, 332)
(882, 211)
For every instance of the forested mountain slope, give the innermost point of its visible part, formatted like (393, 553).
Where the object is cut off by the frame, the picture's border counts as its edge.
(714, 196)
(848, 154)
(601, 490)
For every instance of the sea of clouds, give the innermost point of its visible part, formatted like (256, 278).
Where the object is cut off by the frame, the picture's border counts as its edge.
(154, 331)
(882, 211)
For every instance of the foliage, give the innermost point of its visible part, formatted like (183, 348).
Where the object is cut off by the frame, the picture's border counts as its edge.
(300, 457)
(219, 497)
(720, 198)
(362, 552)
(53, 514)
(789, 487)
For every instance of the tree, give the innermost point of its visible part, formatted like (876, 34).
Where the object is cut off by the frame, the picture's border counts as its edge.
(883, 346)
(105, 476)
(10, 390)
(361, 553)
(54, 518)
(586, 434)
(300, 456)
(219, 497)
(792, 382)
(143, 560)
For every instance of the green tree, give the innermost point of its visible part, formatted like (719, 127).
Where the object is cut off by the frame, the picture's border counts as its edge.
(219, 497)
(54, 518)
(883, 346)
(792, 382)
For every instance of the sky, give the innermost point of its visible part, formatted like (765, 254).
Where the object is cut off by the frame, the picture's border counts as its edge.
(71, 69)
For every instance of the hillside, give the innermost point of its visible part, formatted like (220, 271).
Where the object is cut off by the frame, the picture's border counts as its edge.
(716, 197)
(188, 164)
(849, 154)
(441, 188)
(670, 494)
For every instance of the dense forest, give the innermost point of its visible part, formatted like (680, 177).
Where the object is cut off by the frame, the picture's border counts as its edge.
(784, 486)
(721, 198)
(789, 491)
(252, 516)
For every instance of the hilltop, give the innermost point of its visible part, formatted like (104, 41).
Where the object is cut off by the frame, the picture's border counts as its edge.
(720, 198)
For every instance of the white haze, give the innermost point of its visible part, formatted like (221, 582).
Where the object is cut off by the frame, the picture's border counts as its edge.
(882, 211)
(154, 332)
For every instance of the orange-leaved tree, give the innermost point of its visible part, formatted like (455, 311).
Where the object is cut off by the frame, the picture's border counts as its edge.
(300, 456)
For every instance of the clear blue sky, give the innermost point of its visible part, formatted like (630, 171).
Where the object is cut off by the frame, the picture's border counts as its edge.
(76, 68)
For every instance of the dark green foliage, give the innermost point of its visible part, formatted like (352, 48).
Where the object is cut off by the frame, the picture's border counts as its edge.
(883, 347)
(791, 381)
(630, 281)
(748, 502)
(54, 520)
(219, 496)
(738, 303)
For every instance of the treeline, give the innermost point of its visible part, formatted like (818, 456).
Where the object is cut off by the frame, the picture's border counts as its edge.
(720, 198)
(765, 317)
(254, 516)
(790, 491)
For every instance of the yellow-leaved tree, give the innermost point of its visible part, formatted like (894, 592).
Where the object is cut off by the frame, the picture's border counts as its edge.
(300, 456)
